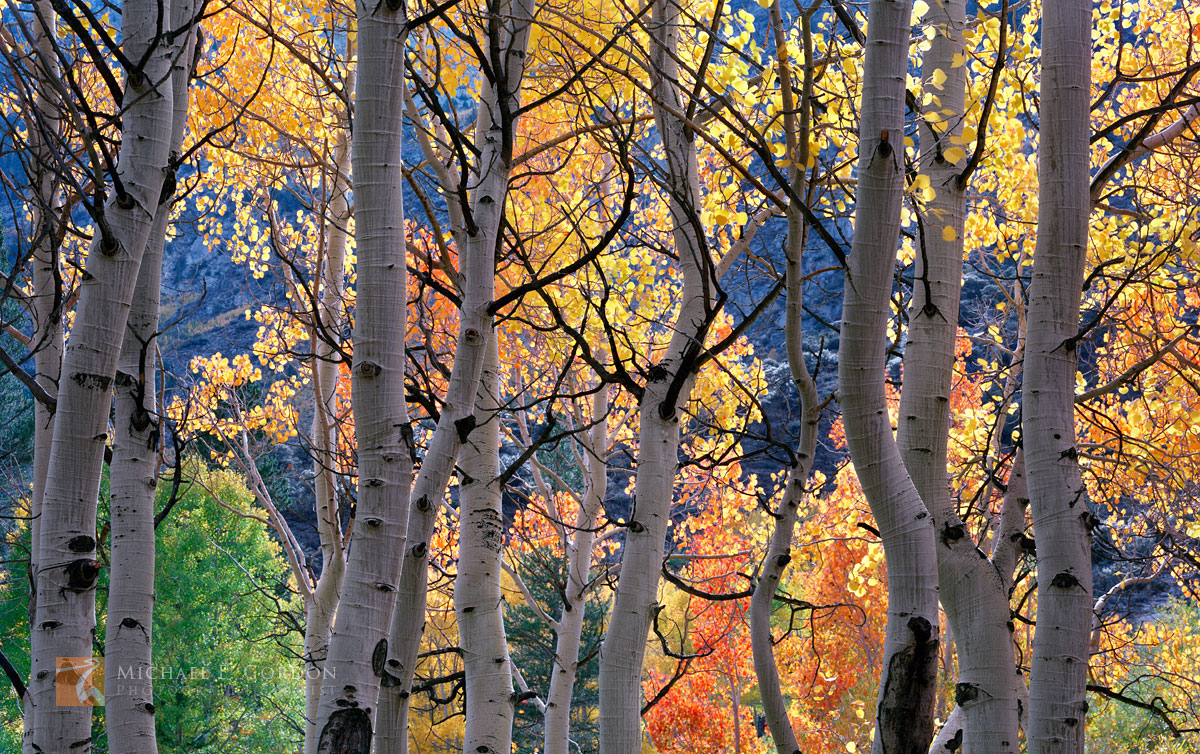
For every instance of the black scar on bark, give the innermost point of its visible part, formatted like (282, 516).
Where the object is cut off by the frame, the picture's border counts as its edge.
(81, 574)
(347, 732)
(464, 427)
(379, 664)
(965, 693)
(1064, 580)
(92, 381)
(906, 708)
(954, 744)
(82, 543)
(953, 533)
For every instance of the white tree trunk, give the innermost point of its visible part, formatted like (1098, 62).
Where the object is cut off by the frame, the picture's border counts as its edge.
(128, 646)
(1058, 672)
(478, 603)
(569, 632)
(323, 601)
(973, 593)
(477, 243)
(907, 692)
(666, 394)
(780, 548)
(67, 562)
(1005, 551)
(46, 294)
(358, 645)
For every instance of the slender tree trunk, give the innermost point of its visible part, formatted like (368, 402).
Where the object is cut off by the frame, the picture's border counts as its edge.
(666, 394)
(46, 295)
(358, 644)
(1008, 536)
(1061, 520)
(779, 550)
(322, 605)
(477, 244)
(67, 561)
(557, 718)
(478, 603)
(128, 642)
(973, 592)
(907, 689)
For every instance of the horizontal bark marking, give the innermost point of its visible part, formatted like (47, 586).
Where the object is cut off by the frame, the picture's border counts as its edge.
(92, 381)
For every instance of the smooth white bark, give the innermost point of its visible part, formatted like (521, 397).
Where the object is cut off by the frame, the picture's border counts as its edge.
(477, 243)
(907, 692)
(133, 474)
(322, 601)
(67, 560)
(662, 404)
(973, 592)
(569, 629)
(796, 124)
(358, 644)
(478, 603)
(46, 295)
(1061, 520)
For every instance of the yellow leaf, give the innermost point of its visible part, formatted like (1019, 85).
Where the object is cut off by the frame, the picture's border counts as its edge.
(939, 79)
(851, 747)
(948, 233)
(920, 8)
(954, 154)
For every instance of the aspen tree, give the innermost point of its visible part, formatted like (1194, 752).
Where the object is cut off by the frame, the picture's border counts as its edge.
(323, 600)
(129, 699)
(46, 296)
(67, 560)
(346, 709)
(796, 127)
(981, 590)
(666, 393)
(569, 628)
(972, 591)
(476, 232)
(478, 604)
(1059, 503)
(907, 688)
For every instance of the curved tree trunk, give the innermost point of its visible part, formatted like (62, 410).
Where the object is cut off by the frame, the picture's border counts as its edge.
(907, 690)
(358, 645)
(973, 593)
(128, 640)
(1061, 520)
(666, 394)
(67, 560)
(780, 548)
